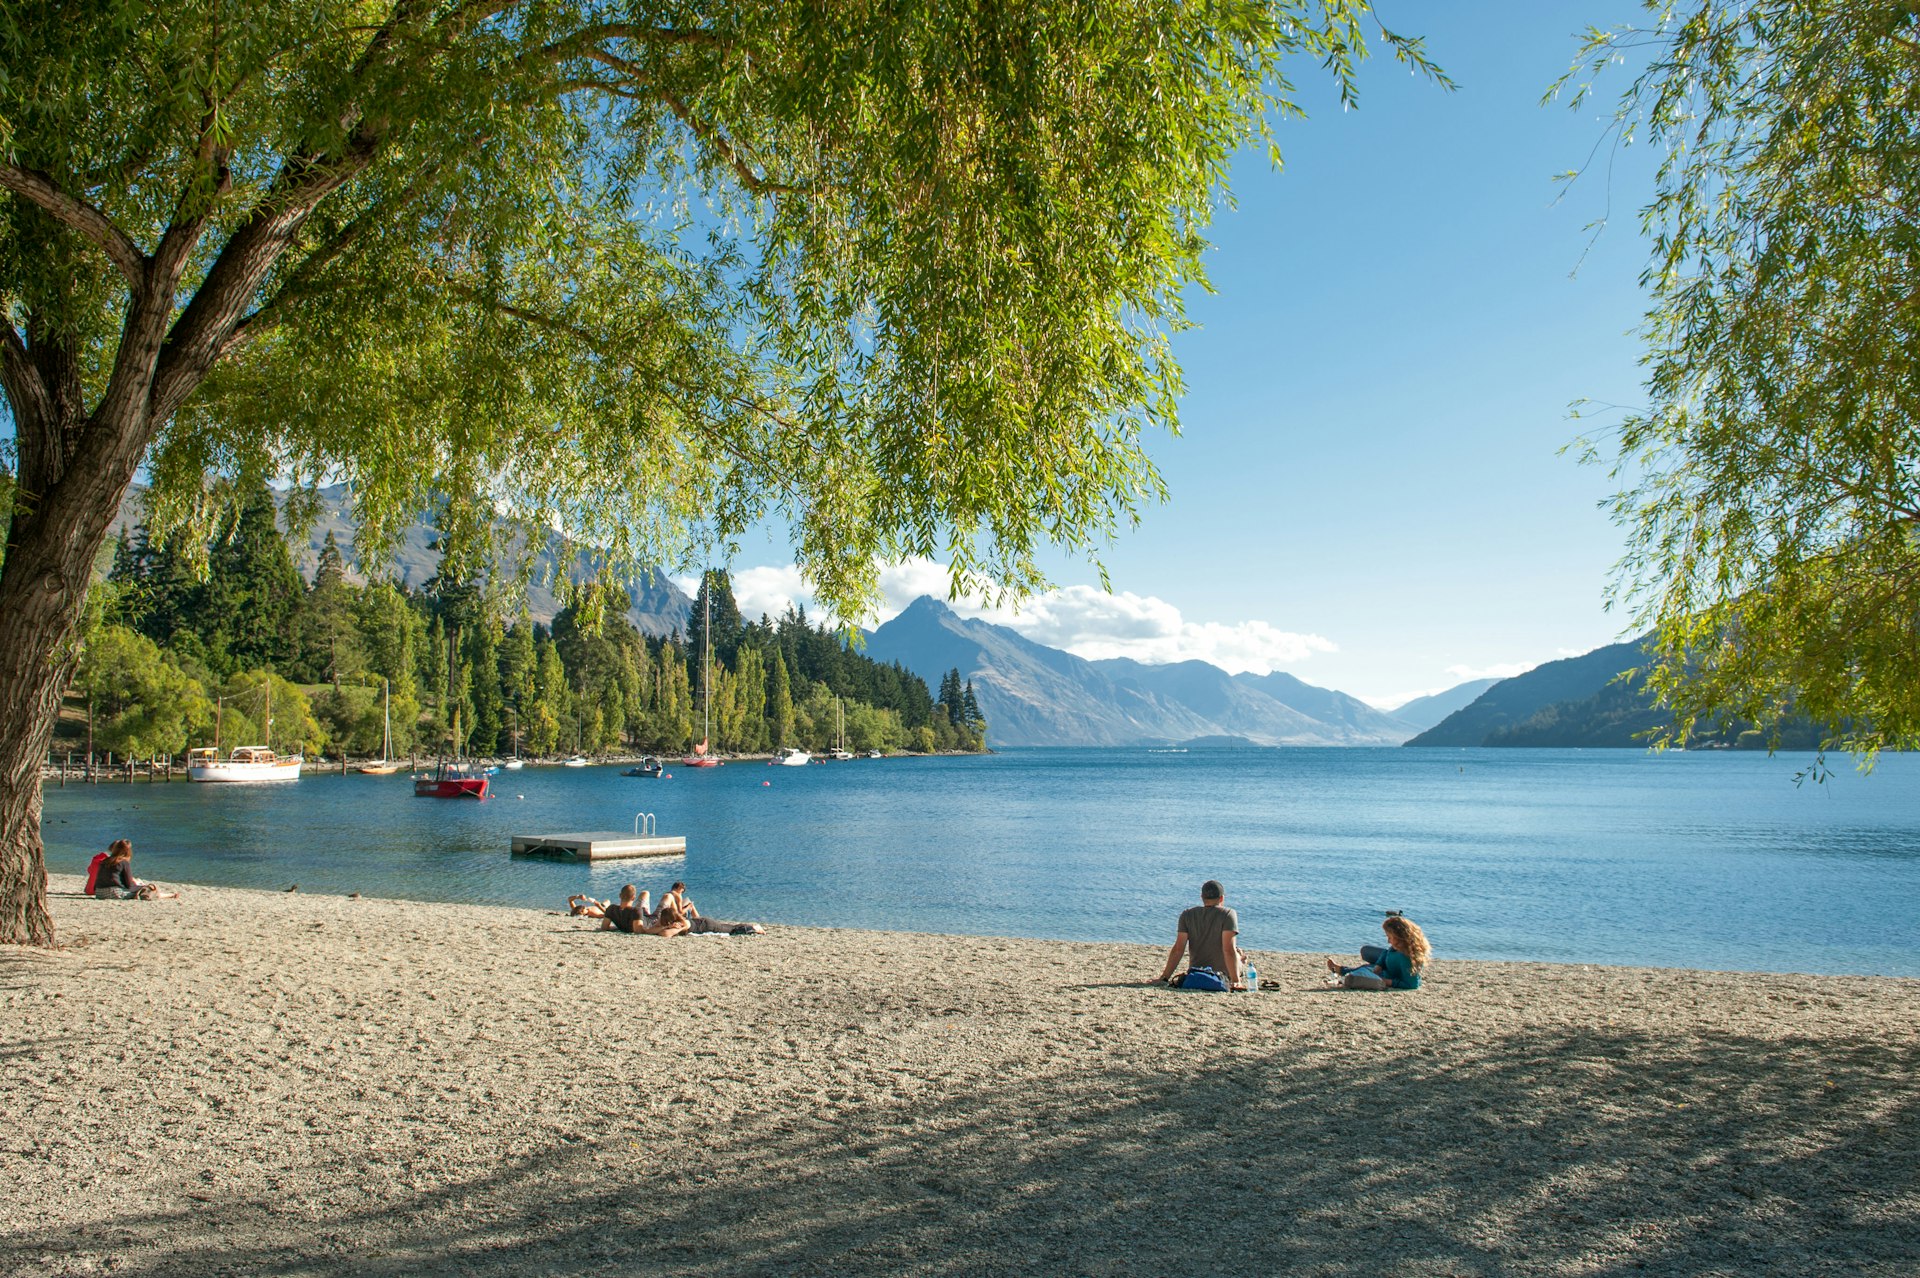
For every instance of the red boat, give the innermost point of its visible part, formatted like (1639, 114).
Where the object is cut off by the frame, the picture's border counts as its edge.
(700, 758)
(451, 781)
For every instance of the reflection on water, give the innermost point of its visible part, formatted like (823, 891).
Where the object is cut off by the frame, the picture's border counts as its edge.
(1698, 860)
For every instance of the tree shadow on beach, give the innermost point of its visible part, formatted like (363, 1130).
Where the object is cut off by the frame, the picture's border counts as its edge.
(1596, 1152)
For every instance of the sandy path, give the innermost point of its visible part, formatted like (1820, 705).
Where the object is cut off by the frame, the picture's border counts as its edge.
(263, 1083)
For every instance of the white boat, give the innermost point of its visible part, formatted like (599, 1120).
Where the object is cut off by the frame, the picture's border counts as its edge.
(839, 755)
(577, 761)
(514, 765)
(788, 757)
(246, 763)
(384, 766)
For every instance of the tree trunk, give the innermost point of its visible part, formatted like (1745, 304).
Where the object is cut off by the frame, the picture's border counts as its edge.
(51, 546)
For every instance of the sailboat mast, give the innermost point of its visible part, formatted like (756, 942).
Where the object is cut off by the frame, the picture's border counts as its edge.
(706, 669)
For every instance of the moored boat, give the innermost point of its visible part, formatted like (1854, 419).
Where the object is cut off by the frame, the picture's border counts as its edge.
(450, 781)
(649, 767)
(384, 766)
(789, 757)
(246, 763)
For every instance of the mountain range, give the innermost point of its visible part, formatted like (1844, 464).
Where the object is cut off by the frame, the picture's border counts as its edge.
(1033, 695)
(1509, 706)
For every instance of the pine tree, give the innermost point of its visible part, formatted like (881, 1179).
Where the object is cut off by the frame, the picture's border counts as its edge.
(253, 594)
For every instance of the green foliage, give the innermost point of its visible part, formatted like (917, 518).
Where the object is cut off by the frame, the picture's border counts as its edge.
(143, 704)
(1771, 487)
(900, 277)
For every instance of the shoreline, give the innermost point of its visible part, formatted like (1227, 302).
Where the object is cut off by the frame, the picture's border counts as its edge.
(316, 1084)
(649, 869)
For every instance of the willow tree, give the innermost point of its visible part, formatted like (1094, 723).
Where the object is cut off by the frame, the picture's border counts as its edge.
(1772, 489)
(899, 277)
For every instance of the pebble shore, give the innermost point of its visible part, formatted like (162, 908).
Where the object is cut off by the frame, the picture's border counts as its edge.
(245, 1082)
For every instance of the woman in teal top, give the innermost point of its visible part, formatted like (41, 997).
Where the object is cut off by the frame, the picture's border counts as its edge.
(1396, 968)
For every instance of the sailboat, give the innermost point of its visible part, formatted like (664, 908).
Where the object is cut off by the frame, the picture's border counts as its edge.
(700, 758)
(246, 763)
(516, 762)
(839, 752)
(384, 765)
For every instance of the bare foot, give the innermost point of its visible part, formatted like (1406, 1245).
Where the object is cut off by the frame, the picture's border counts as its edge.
(1332, 966)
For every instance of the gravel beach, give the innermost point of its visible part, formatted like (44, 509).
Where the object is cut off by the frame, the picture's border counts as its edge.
(245, 1083)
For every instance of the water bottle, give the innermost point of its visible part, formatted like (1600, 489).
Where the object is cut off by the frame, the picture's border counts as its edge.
(1253, 978)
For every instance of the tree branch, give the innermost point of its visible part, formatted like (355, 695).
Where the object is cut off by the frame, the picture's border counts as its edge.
(708, 136)
(578, 43)
(77, 215)
(26, 392)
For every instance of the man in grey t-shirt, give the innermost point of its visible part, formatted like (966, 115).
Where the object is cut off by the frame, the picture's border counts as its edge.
(1206, 934)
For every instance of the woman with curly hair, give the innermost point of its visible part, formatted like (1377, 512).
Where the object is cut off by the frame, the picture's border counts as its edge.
(1397, 967)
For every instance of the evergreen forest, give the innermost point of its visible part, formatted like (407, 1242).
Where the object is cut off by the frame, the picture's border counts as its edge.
(181, 647)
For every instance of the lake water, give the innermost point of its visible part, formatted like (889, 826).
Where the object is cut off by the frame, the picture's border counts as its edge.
(1712, 860)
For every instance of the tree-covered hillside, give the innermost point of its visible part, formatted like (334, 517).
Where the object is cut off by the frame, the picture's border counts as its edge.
(174, 642)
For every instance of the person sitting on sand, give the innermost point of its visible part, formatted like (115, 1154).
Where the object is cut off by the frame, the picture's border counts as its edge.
(1206, 935)
(678, 895)
(1397, 967)
(672, 918)
(115, 881)
(627, 916)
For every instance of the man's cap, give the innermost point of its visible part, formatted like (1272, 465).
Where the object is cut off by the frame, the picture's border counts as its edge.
(1211, 890)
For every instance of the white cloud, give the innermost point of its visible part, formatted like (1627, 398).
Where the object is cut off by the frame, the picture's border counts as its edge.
(1093, 624)
(1079, 619)
(1501, 670)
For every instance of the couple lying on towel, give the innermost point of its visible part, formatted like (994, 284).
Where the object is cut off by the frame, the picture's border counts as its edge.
(676, 916)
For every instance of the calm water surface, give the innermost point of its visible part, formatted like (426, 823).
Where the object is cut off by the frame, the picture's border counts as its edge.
(1713, 860)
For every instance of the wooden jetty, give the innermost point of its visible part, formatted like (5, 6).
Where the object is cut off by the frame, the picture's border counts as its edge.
(603, 845)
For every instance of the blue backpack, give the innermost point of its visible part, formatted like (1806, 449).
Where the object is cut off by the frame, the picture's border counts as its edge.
(1203, 978)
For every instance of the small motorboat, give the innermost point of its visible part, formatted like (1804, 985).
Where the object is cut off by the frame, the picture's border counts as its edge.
(577, 761)
(514, 765)
(649, 767)
(789, 757)
(450, 781)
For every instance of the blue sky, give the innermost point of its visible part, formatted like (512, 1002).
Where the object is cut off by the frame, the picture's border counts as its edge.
(1368, 491)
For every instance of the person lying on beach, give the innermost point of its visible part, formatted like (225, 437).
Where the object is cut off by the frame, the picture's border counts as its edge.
(582, 906)
(700, 924)
(627, 916)
(1397, 967)
(115, 881)
(1206, 935)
